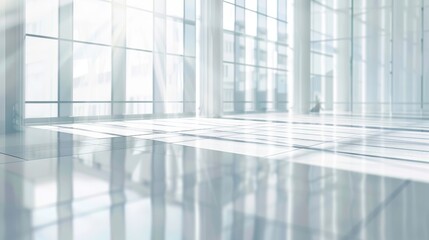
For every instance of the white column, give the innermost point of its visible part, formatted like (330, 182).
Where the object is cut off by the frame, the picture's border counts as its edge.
(119, 58)
(426, 57)
(301, 56)
(407, 55)
(12, 64)
(2, 65)
(211, 49)
(342, 60)
(65, 50)
(2, 109)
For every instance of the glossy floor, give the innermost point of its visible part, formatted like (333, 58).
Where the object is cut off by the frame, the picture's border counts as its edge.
(262, 176)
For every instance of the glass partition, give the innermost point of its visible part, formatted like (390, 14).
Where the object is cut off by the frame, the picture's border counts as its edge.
(131, 60)
(255, 55)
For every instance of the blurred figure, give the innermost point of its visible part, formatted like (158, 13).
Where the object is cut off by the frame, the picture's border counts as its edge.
(317, 107)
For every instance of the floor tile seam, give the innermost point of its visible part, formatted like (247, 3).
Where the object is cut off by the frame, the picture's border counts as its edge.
(57, 129)
(294, 138)
(223, 138)
(154, 142)
(357, 140)
(99, 132)
(62, 148)
(239, 141)
(4, 164)
(367, 155)
(154, 131)
(341, 125)
(387, 147)
(313, 148)
(295, 149)
(333, 117)
(259, 133)
(390, 140)
(171, 132)
(410, 135)
(377, 159)
(374, 146)
(12, 156)
(355, 230)
(404, 117)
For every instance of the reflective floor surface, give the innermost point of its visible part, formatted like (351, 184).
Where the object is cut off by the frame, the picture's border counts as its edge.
(262, 176)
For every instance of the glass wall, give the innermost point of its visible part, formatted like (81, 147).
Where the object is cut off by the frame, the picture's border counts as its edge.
(372, 56)
(255, 49)
(330, 54)
(138, 57)
(104, 59)
(407, 40)
(369, 57)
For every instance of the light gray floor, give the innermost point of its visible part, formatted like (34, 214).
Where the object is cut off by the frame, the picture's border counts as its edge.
(260, 176)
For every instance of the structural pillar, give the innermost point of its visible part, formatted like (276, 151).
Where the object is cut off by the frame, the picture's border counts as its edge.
(301, 56)
(119, 58)
(65, 51)
(342, 73)
(211, 46)
(425, 60)
(2, 65)
(11, 65)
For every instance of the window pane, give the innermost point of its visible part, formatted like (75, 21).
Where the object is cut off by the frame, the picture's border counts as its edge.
(262, 53)
(228, 47)
(190, 10)
(262, 6)
(282, 34)
(42, 17)
(272, 8)
(258, 48)
(91, 109)
(239, 20)
(41, 69)
(190, 44)
(271, 55)
(175, 8)
(89, 28)
(262, 26)
(142, 4)
(250, 88)
(159, 32)
(251, 23)
(252, 4)
(174, 83)
(139, 76)
(139, 29)
(228, 16)
(282, 10)
(91, 73)
(171, 108)
(174, 37)
(250, 50)
(139, 108)
(272, 29)
(41, 110)
(240, 49)
(228, 82)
